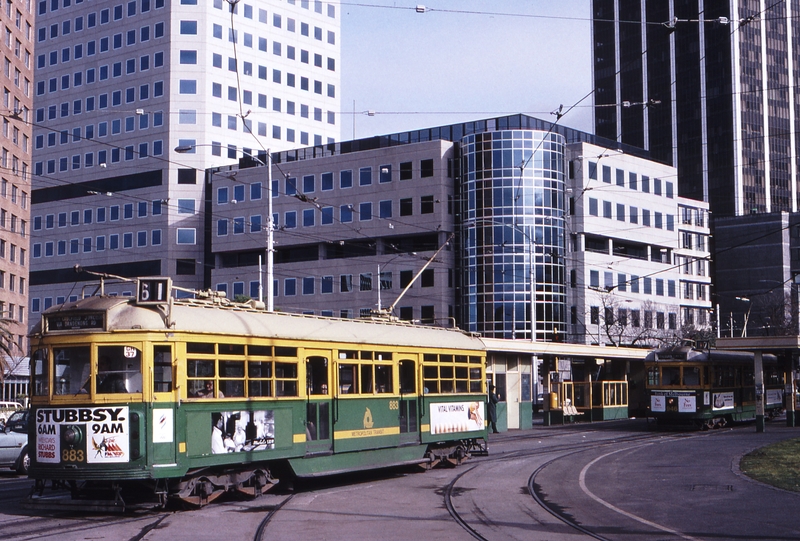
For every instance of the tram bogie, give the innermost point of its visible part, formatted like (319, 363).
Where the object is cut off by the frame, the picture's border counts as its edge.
(194, 399)
(709, 389)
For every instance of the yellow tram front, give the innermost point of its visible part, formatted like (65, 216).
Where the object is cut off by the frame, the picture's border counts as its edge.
(94, 379)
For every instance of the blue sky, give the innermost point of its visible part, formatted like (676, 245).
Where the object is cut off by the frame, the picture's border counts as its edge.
(462, 60)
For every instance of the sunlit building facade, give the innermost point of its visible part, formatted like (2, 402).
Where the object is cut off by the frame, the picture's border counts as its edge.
(121, 85)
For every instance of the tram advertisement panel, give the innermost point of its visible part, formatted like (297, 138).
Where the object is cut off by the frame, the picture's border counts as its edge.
(457, 417)
(236, 431)
(723, 401)
(680, 401)
(92, 435)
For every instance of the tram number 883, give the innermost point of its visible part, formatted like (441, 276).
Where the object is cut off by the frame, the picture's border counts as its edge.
(72, 455)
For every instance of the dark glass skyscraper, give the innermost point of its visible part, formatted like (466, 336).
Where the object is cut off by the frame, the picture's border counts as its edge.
(707, 87)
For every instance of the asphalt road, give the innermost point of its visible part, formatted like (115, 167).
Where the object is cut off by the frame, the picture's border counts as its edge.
(615, 481)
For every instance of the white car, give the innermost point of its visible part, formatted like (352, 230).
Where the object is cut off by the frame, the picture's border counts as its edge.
(14, 443)
(7, 408)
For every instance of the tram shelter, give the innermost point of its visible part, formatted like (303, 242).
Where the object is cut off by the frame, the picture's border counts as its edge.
(787, 349)
(571, 382)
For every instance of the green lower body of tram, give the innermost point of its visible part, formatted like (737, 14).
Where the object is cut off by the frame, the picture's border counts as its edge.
(711, 408)
(195, 451)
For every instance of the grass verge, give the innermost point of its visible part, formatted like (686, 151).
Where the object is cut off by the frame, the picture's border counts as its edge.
(777, 465)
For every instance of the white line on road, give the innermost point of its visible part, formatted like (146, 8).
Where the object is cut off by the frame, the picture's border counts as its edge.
(582, 481)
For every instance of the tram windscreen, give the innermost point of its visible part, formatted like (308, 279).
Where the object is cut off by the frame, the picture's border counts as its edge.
(72, 370)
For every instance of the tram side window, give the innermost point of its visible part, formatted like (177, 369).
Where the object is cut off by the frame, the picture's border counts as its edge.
(259, 381)
(41, 381)
(366, 379)
(652, 376)
(231, 378)
(348, 378)
(430, 379)
(724, 376)
(162, 369)
(72, 370)
(475, 380)
(119, 369)
(451, 374)
(383, 378)
(285, 379)
(199, 372)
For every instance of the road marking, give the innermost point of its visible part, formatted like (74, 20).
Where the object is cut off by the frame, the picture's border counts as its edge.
(585, 489)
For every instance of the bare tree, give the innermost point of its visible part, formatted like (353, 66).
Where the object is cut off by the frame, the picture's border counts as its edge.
(772, 314)
(636, 326)
(7, 362)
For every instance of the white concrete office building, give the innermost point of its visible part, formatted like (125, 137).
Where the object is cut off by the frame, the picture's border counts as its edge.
(637, 253)
(121, 85)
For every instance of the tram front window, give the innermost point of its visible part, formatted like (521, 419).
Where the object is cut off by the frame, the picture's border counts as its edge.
(119, 370)
(671, 375)
(72, 370)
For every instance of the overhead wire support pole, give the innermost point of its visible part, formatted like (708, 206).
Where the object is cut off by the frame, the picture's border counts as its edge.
(270, 237)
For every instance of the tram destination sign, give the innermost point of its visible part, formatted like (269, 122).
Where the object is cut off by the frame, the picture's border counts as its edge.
(71, 322)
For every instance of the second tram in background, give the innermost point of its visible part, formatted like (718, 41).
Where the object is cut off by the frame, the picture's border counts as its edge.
(709, 388)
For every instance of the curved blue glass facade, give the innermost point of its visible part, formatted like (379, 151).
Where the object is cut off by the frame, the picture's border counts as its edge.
(512, 214)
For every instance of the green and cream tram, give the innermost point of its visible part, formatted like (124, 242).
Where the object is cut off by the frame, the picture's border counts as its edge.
(196, 397)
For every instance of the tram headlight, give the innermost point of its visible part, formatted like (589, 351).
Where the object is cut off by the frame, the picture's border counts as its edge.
(72, 435)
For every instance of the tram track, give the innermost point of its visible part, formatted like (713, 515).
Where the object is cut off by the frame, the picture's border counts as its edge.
(563, 451)
(262, 526)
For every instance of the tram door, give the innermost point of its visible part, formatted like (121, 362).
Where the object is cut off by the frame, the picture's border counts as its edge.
(318, 405)
(163, 420)
(409, 411)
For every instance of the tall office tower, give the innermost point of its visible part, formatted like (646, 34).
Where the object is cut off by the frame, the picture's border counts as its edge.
(15, 159)
(724, 74)
(121, 85)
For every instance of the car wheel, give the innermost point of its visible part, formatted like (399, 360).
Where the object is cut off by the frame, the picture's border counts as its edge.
(24, 463)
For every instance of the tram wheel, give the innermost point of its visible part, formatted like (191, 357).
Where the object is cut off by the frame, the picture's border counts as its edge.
(201, 492)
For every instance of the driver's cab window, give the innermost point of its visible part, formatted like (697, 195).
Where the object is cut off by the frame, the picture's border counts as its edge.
(119, 370)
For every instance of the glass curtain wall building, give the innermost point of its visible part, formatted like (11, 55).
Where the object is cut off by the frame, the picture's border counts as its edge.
(706, 87)
(513, 234)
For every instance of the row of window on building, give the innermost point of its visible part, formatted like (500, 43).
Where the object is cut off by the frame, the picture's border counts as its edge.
(86, 245)
(87, 160)
(625, 317)
(648, 218)
(103, 214)
(635, 181)
(308, 184)
(310, 285)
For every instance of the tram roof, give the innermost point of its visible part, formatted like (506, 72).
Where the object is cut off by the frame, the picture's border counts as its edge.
(205, 317)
